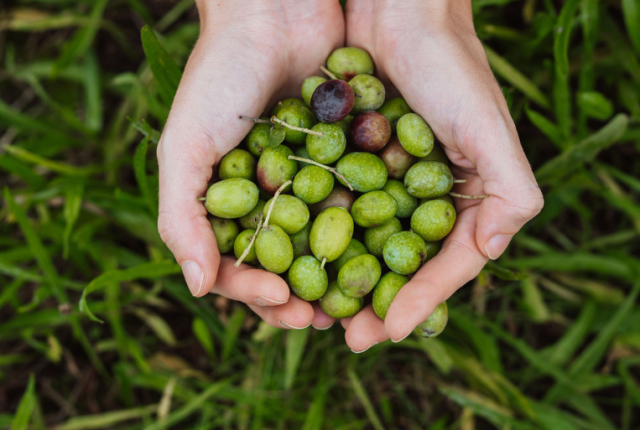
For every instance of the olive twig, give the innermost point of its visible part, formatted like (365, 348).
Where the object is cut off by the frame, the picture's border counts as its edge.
(202, 199)
(261, 121)
(328, 73)
(293, 127)
(324, 261)
(253, 239)
(273, 201)
(459, 181)
(462, 196)
(334, 171)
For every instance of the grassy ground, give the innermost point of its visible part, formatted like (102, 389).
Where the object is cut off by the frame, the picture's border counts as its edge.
(547, 338)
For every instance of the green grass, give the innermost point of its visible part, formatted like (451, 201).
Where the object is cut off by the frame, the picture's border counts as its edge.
(98, 330)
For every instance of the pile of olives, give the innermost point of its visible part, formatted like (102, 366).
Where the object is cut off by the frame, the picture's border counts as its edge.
(349, 194)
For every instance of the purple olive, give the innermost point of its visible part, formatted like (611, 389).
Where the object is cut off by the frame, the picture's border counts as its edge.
(370, 131)
(332, 101)
(397, 160)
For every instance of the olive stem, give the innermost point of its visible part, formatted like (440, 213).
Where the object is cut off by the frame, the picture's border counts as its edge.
(253, 239)
(293, 127)
(459, 181)
(273, 201)
(202, 199)
(328, 73)
(261, 121)
(462, 196)
(334, 171)
(324, 261)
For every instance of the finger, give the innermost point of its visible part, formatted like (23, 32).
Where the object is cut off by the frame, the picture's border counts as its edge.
(365, 330)
(344, 322)
(250, 285)
(458, 262)
(321, 321)
(295, 314)
(203, 125)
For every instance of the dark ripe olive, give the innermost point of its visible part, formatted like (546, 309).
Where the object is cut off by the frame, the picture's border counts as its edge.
(332, 101)
(338, 197)
(397, 160)
(370, 131)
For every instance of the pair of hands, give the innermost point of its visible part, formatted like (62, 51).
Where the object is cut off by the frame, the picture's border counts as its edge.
(252, 53)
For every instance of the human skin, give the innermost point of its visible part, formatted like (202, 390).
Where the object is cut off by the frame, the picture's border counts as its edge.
(428, 51)
(249, 55)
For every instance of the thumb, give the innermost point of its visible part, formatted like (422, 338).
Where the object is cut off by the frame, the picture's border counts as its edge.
(182, 220)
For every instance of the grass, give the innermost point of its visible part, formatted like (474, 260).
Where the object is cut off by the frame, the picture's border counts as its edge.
(98, 330)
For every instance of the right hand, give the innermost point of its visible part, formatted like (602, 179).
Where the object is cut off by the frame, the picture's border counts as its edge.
(249, 55)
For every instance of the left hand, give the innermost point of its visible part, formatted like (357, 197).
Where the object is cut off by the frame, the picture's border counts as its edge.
(429, 51)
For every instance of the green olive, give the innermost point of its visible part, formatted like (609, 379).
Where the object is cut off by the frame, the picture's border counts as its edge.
(376, 237)
(312, 184)
(385, 291)
(307, 279)
(297, 116)
(435, 324)
(369, 93)
(274, 249)
(433, 220)
(428, 179)
(436, 154)
(373, 208)
(359, 275)
(393, 110)
(225, 231)
(354, 249)
(337, 305)
(328, 148)
(288, 212)
(406, 202)
(404, 252)
(258, 138)
(331, 233)
(293, 101)
(275, 168)
(348, 62)
(300, 242)
(241, 243)
(251, 219)
(309, 86)
(415, 135)
(364, 171)
(237, 164)
(231, 198)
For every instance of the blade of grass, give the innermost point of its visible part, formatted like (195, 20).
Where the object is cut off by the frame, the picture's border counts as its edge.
(234, 325)
(631, 12)
(150, 270)
(25, 407)
(510, 74)
(92, 92)
(165, 71)
(72, 205)
(296, 341)
(140, 170)
(361, 394)
(547, 127)
(106, 419)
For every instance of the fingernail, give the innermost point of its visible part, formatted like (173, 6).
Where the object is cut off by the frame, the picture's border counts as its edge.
(402, 338)
(496, 245)
(287, 325)
(265, 301)
(323, 328)
(193, 275)
(366, 349)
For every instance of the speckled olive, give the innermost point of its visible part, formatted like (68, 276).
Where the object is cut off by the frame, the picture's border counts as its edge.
(293, 101)
(354, 249)
(376, 237)
(373, 208)
(231, 198)
(369, 131)
(237, 164)
(393, 110)
(404, 252)
(251, 219)
(330, 233)
(328, 148)
(428, 179)
(274, 249)
(359, 275)
(433, 220)
(365, 172)
(275, 168)
(415, 135)
(258, 138)
(405, 201)
(307, 279)
(241, 243)
(436, 323)
(225, 231)
(446, 198)
(432, 249)
(313, 184)
(337, 305)
(369, 93)
(396, 159)
(289, 212)
(385, 291)
(298, 116)
(349, 61)
(300, 242)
